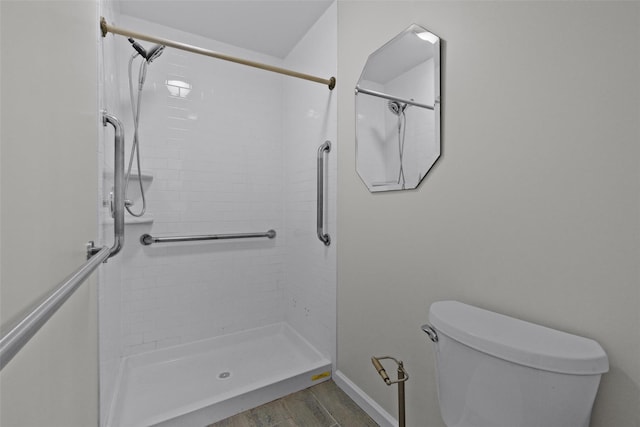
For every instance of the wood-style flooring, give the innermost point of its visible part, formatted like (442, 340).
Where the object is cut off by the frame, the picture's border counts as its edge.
(323, 405)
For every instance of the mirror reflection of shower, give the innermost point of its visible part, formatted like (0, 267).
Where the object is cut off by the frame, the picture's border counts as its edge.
(397, 109)
(148, 56)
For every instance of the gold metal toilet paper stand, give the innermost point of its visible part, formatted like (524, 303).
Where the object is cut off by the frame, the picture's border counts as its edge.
(402, 377)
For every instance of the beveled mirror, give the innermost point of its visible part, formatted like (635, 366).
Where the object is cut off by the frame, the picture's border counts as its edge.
(398, 112)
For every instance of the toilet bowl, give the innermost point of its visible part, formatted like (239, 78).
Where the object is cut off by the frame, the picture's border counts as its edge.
(497, 371)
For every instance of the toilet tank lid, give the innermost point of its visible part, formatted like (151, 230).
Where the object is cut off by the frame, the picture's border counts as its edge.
(518, 341)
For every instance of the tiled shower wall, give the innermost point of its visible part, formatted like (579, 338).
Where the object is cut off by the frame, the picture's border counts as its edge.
(215, 155)
(233, 151)
(310, 119)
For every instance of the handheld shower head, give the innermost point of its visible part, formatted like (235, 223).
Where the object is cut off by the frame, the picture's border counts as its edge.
(154, 52)
(149, 56)
(396, 108)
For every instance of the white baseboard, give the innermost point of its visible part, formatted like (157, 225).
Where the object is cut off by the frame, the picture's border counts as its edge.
(375, 411)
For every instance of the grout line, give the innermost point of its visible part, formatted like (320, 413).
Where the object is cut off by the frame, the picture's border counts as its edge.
(325, 409)
(290, 416)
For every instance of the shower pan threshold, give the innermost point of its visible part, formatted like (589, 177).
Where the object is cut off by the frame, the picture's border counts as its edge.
(199, 383)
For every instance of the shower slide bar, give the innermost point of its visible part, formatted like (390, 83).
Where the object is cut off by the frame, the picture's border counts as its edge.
(28, 326)
(393, 98)
(324, 237)
(147, 239)
(106, 28)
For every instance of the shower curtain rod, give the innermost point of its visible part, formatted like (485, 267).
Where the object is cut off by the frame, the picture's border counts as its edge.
(106, 28)
(393, 98)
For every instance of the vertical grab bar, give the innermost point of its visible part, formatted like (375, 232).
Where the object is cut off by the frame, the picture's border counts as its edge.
(118, 187)
(324, 237)
(118, 184)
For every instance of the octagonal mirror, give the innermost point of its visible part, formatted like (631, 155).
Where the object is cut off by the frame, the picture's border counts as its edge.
(398, 112)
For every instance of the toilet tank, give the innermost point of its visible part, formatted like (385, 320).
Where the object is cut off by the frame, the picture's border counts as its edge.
(497, 371)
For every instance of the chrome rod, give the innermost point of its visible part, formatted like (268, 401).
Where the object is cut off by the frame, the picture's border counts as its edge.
(324, 237)
(21, 333)
(106, 28)
(392, 98)
(147, 239)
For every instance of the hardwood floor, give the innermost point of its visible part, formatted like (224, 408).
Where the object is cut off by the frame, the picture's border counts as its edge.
(323, 405)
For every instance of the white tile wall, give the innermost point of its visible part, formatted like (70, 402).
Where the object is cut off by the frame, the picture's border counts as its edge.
(310, 119)
(216, 160)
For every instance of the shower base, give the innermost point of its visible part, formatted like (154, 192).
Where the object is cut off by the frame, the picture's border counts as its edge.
(199, 383)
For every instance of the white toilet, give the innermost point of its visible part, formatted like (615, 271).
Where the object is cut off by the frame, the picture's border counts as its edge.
(497, 371)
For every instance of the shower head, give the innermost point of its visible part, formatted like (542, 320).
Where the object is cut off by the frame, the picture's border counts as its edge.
(152, 54)
(396, 108)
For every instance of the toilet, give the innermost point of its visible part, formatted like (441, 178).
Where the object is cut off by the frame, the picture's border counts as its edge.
(497, 371)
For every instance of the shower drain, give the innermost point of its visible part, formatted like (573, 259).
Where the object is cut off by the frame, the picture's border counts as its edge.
(224, 375)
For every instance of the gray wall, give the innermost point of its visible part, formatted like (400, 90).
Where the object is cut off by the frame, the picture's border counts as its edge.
(533, 209)
(49, 143)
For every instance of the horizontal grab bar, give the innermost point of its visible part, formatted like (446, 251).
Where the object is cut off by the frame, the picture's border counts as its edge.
(147, 239)
(21, 333)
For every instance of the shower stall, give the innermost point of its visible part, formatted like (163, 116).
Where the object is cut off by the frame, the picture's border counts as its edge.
(194, 331)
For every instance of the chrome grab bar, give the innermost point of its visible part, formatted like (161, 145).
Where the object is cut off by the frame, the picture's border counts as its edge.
(324, 237)
(21, 333)
(118, 187)
(147, 239)
(118, 184)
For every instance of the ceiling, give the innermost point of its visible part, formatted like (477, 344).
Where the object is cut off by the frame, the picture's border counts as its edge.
(273, 27)
(404, 52)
